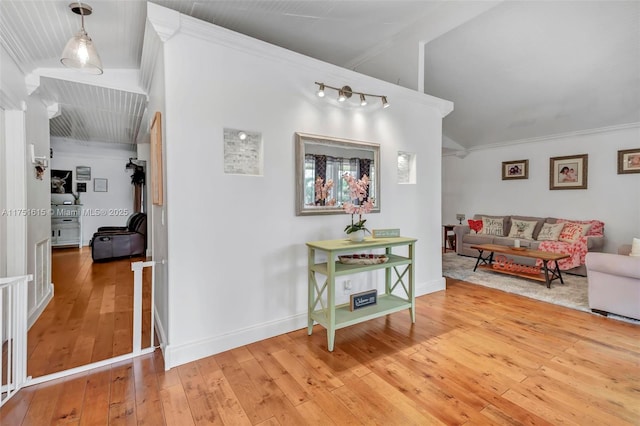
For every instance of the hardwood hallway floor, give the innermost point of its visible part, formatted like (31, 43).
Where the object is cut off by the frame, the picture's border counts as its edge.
(91, 315)
(476, 356)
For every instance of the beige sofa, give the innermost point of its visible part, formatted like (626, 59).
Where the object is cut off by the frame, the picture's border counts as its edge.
(465, 238)
(614, 284)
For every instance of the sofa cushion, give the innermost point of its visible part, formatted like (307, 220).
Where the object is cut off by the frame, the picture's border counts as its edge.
(492, 226)
(475, 225)
(571, 231)
(539, 222)
(596, 230)
(506, 226)
(550, 232)
(477, 239)
(522, 229)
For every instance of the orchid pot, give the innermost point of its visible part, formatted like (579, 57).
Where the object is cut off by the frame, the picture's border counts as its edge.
(357, 236)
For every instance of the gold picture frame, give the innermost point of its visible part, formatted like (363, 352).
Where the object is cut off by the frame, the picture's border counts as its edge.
(629, 161)
(568, 172)
(155, 134)
(517, 169)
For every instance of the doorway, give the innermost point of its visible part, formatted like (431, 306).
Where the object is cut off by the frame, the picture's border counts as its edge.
(90, 318)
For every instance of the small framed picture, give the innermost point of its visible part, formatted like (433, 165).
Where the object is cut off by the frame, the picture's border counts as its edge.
(100, 185)
(61, 181)
(569, 172)
(83, 173)
(517, 169)
(629, 161)
(81, 187)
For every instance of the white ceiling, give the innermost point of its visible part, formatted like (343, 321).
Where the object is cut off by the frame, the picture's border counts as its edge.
(514, 70)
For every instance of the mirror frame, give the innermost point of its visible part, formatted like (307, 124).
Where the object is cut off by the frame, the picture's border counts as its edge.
(301, 139)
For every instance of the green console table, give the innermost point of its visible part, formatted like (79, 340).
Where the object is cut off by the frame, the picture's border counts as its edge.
(322, 307)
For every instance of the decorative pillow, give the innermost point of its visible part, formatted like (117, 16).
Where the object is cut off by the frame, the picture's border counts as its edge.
(492, 226)
(476, 225)
(571, 232)
(596, 230)
(550, 231)
(522, 229)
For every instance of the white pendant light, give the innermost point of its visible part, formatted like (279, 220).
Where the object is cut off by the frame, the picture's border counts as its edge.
(80, 52)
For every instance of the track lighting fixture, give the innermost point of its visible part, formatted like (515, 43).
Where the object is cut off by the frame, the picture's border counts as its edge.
(80, 52)
(345, 92)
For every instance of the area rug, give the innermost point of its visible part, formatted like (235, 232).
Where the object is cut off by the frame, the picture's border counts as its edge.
(573, 294)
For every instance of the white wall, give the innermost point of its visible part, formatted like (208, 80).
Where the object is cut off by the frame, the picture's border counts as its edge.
(157, 220)
(13, 93)
(237, 254)
(474, 184)
(38, 224)
(3, 199)
(107, 160)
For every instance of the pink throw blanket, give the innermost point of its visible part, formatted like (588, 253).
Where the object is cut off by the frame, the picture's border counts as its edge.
(577, 252)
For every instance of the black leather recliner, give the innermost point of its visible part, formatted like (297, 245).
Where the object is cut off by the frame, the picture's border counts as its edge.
(114, 242)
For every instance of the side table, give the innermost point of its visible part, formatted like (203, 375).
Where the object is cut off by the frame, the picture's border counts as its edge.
(445, 239)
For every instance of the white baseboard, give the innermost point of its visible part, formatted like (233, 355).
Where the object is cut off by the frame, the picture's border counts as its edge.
(162, 336)
(37, 311)
(181, 354)
(431, 286)
(175, 355)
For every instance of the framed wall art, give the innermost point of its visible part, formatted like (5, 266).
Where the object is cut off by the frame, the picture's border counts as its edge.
(83, 173)
(100, 185)
(569, 172)
(156, 159)
(61, 181)
(517, 169)
(243, 152)
(629, 161)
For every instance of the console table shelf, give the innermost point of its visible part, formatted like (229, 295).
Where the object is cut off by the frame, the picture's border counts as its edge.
(347, 269)
(322, 308)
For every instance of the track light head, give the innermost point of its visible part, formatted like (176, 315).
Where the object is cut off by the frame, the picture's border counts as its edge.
(363, 100)
(320, 91)
(385, 104)
(341, 96)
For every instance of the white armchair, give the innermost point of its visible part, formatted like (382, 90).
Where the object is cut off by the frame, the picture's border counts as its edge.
(614, 284)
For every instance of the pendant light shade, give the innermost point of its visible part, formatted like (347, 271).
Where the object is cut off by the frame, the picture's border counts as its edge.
(80, 52)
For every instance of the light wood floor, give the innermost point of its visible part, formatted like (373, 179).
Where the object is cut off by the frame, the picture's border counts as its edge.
(475, 356)
(91, 315)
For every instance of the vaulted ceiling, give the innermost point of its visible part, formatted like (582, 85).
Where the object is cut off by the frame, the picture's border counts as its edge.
(514, 70)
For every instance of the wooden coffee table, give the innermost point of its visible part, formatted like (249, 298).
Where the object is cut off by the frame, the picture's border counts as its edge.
(547, 275)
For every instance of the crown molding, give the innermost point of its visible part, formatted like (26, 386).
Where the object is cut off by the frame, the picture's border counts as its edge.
(126, 80)
(565, 135)
(166, 22)
(53, 110)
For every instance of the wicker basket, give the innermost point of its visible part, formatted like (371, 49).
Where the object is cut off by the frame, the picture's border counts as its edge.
(363, 259)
